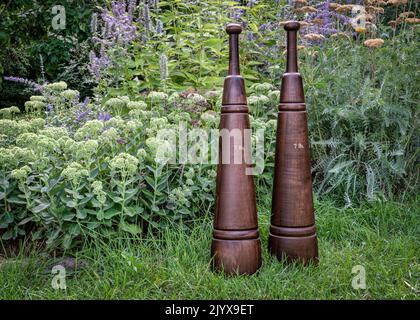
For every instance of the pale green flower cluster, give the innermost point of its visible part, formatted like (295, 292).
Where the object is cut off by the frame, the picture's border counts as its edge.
(12, 128)
(157, 124)
(26, 140)
(262, 87)
(274, 95)
(258, 100)
(37, 98)
(74, 173)
(85, 149)
(10, 157)
(141, 154)
(174, 98)
(36, 124)
(213, 94)
(21, 174)
(57, 86)
(115, 104)
(177, 117)
(157, 96)
(116, 122)
(109, 136)
(35, 104)
(196, 98)
(70, 94)
(209, 117)
(54, 132)
(190, 173)
(180, 196)
(133, 126)
(91, 130)
(66, 144)
(99, 192)
(140, 114)
(125, 164)
(46, 144)
(162, 150)
(137, 105)
(3, 140)
(9, 112)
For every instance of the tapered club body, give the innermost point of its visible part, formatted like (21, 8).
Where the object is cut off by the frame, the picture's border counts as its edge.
(292, 231)
(236, 246)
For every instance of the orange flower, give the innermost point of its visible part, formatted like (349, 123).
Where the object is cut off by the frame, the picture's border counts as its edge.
(375, 10)
(302, 23)
(318, 21)
(333, 5)
(393, 23)
(344, 8)
(360, 30)
(374, 2)
(306, 9)
(314, 36)
(407, 14)
(374, 43)
(413, 20)
(397, 2)
(301, 2)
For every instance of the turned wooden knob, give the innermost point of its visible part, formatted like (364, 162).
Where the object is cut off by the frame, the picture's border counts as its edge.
(233, 28)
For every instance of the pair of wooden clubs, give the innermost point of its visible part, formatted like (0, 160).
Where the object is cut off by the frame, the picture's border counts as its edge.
(236, 245)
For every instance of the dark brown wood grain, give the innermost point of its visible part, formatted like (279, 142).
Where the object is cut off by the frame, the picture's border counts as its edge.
(236, 246)
(292, 231)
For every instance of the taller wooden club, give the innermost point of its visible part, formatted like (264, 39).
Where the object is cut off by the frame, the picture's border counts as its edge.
(292, 230)
(236, 246)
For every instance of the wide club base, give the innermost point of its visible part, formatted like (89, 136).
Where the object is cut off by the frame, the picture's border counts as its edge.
(302, 248)
(236, 256)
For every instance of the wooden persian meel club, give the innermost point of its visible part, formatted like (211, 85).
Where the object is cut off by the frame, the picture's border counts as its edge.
(236, 246)
(292, 230)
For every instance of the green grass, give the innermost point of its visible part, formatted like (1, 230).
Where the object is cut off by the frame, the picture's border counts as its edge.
(382, 237)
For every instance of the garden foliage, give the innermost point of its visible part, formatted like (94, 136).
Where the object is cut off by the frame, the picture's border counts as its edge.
(75, 166)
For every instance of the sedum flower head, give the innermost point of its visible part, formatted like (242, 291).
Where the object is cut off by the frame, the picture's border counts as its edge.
(57, 86)
(109, 136)
(116, 105)
(262, 87)
(141, 154)
(21, 174)
(116, 122)
(37, 98)
(91, 129)
(158, 96)
(46, 144)
(125, 164)
(54, 132)
(86, 149)
(37, 124)
(70, 94)
(190, 173)
(26, 139)
(137, 105)
(162, 150)
(74, 173)
(98, 192)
